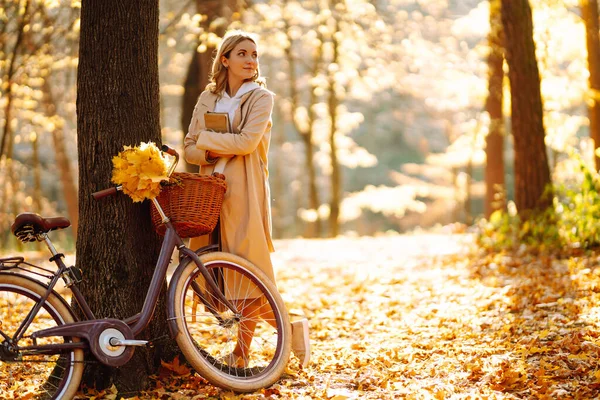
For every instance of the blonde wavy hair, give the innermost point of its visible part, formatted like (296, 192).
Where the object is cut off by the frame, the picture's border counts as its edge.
(218, 76)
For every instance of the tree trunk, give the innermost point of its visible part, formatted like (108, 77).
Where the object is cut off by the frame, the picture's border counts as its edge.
(200, 64)
(277, 165)
(589, 12)
(12, 68)
(117, 104)
(468, 184)
(457, 210)
(532, 174)
(336, 180)
(306, 133)
(494, 148)
(12, 208)
(62, 161)
(195, 81)
(37, 179)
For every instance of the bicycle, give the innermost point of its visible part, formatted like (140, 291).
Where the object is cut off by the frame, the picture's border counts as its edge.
(43, 341)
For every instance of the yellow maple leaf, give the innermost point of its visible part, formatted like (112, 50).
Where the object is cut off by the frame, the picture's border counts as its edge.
(543, 334)
(139, 170)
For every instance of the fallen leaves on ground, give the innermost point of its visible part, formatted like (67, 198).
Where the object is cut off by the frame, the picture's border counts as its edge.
(429, 317)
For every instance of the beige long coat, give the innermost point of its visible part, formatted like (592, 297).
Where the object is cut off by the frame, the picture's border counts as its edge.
(246, 214)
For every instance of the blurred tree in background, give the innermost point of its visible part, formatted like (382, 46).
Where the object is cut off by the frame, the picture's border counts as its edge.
(532, 175)
(494, 145)
(38, 45)
(385, 110)
(589, 13)
(214, 16)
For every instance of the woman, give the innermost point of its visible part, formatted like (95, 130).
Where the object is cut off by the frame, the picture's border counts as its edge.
(237, 88)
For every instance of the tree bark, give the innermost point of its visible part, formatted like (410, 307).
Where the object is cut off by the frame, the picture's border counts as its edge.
(494, 148)
(532, 175)
(117, 104)
(589, 12)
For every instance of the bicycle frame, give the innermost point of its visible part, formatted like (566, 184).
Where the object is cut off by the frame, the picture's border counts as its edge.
(89, 327)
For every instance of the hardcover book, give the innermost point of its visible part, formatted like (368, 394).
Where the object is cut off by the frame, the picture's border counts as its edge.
(217, 121)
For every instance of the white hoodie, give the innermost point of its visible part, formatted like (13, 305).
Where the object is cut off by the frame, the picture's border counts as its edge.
(231, 104)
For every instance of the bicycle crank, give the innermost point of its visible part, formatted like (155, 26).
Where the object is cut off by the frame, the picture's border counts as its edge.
(110, 340)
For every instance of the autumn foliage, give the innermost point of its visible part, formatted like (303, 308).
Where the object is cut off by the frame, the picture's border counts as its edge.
(425, 317)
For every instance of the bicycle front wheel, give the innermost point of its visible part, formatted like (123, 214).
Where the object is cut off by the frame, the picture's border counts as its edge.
(27, 373)
(210, 334)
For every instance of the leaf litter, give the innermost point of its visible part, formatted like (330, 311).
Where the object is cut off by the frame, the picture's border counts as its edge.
(426, 316)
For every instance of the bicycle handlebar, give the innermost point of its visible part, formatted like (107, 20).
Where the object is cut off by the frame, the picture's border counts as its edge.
(106, 192)
(169, 150)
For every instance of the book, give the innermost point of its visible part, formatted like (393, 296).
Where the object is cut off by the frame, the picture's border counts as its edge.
(217, 121)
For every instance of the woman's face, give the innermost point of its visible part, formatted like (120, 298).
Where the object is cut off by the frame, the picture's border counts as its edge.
(243, 61)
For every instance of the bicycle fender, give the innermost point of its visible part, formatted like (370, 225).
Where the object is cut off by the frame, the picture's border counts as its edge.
(174, 331)
(62, 300)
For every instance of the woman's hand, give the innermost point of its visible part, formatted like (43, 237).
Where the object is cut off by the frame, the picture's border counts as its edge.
(214, 155)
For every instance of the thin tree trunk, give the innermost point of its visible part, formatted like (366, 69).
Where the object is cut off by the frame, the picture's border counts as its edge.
(468, 183)
(118, 104)
(14, 185)
(37, 178)
(494, 148)
(62, 160)
(195, 81)
(532, 175)
(12, 67)
(197, 76)
(336, 180)
(589, 12)
(306, 133)
(276, 176)
(457, 210)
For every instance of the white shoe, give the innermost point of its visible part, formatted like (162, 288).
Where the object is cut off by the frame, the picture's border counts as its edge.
(301, 341)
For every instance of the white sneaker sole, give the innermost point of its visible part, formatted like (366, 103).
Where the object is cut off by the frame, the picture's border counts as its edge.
(303, 356)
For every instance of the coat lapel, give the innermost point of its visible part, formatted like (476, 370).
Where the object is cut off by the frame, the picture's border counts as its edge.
(242, 111)
(210, 101)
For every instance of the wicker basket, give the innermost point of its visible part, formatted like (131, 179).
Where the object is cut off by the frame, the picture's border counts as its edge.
(192, 202)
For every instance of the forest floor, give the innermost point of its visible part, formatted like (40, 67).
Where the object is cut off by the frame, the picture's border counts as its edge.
(428, 316)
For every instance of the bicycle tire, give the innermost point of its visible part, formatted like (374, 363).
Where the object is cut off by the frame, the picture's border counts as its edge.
(204, 341)
(50, 376)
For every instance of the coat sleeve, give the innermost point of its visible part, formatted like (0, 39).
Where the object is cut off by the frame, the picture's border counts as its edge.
(191, 153)
(247, 140)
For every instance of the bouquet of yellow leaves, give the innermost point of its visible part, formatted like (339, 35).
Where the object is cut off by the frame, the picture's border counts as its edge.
(140, 170)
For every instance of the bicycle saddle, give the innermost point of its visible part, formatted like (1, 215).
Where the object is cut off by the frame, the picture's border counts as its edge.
(28, 226)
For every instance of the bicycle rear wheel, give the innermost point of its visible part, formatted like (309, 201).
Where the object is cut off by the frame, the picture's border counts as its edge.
(209, 332)
(39, 376)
